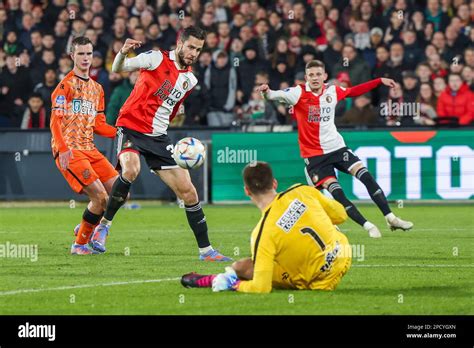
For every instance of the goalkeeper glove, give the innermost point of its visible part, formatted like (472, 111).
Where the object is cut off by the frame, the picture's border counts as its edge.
(225, 281)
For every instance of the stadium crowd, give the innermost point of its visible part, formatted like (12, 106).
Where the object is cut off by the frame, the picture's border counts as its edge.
(426, 46)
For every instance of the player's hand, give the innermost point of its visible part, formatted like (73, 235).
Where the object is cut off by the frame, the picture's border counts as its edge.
(263, 88)
(65, 158)
(225, 281)
(130, 44)
(389, 82)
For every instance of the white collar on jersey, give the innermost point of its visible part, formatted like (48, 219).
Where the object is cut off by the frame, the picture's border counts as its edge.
(172, 55)
(308, 89)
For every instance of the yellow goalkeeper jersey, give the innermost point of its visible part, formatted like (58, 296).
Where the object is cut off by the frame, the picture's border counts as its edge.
(295, 243)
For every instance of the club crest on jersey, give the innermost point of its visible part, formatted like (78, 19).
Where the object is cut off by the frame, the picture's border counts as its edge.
(60, 100)
(127, 144)
(84, 107)
(185, 85)
(86, 174)
(328, 98)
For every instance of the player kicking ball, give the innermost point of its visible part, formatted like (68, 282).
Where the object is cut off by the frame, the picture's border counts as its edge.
(294, 245)
(77, 113)
(165, 80)
(324, 149)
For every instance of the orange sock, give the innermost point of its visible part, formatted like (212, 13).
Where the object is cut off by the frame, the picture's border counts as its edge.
(85, 231)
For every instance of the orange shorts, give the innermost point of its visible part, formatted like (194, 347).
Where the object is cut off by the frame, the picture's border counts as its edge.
(85, 168)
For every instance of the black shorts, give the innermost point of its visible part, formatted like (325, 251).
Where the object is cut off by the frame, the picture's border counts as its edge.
(157, 151)
(320, 168)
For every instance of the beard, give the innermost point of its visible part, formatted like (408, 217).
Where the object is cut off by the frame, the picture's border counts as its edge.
(182, 62)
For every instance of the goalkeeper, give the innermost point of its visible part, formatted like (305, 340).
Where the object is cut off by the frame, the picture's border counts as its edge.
(295, 245)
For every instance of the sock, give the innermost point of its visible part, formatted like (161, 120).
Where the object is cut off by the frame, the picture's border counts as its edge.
(117, 198)
(206, 281)
(205, 250)
(368, 225)
(89, 222)
(390, 216)
(336, 191)
(197, 222)
(374, 190)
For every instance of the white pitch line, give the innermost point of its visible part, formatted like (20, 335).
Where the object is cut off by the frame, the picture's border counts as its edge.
(412, 265)
(71, 287)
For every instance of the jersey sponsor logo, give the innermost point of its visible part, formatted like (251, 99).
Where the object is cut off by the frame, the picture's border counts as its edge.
(84, 107)
(291, 215)
(319, 114)
(330, 258)
(60, 100)
(166, 92)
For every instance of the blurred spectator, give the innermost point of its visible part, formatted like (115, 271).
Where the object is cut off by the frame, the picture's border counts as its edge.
(437, 66)
(424, 73)
(427, 101)
(248, 69)
(456, 101)
(48, 60)
(343, 80)
(15, 86)
(361, 115)
(259, 109)
(281, 52)
(35, 115)
(224, 38)
(280, 74)
(46, 88)
(410, 86)
(468, 76)
(65, 66)
(435, 15)
(412, 50)
(220, 79)
(439, 85)
(119, 96)
(12, 46)
(265, 40)
(98, 73)
(350, 62)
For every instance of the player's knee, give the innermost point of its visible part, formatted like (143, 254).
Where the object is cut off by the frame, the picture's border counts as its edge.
(130, 173)
(188, 194)
(100, 200)
(328, 182)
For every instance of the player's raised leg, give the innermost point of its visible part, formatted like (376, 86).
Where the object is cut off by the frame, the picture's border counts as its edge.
(130, 164)
(91, 217)
(333, 186)
(179, 180)
(378, 196)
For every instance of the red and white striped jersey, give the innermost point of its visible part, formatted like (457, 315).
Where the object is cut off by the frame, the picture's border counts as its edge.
(317, 132)
(158, 93)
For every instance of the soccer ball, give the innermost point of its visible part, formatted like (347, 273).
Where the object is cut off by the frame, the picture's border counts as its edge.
(189, 153)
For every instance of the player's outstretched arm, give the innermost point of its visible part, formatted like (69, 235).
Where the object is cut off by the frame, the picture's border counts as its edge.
(289, 96)
(149, 60)
(368, 86)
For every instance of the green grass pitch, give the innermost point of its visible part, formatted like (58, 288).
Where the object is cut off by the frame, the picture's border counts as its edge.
(429, 270)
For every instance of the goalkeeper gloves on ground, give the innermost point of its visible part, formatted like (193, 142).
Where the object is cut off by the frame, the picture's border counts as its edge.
(225, 281)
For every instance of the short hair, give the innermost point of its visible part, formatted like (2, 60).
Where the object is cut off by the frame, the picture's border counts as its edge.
(315, 64)
(193, 31)
(35, 95)
(454, 74)
(80, 41)
(258, 177)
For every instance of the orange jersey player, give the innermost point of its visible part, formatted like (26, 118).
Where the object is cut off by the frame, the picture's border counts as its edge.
(77, 113)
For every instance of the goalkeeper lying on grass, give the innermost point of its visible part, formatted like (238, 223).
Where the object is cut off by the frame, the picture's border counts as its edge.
(295, 245)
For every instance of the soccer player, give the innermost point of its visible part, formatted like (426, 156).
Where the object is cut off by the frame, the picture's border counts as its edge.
(324, 149)
(295, 245)
(77, 113)
(165, 80)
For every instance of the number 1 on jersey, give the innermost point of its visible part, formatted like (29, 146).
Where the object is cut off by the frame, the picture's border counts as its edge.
(314, 235)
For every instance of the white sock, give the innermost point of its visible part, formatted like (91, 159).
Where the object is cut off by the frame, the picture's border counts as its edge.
(104, 221)
(390, 216)
(368, 225)
(205, 250)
